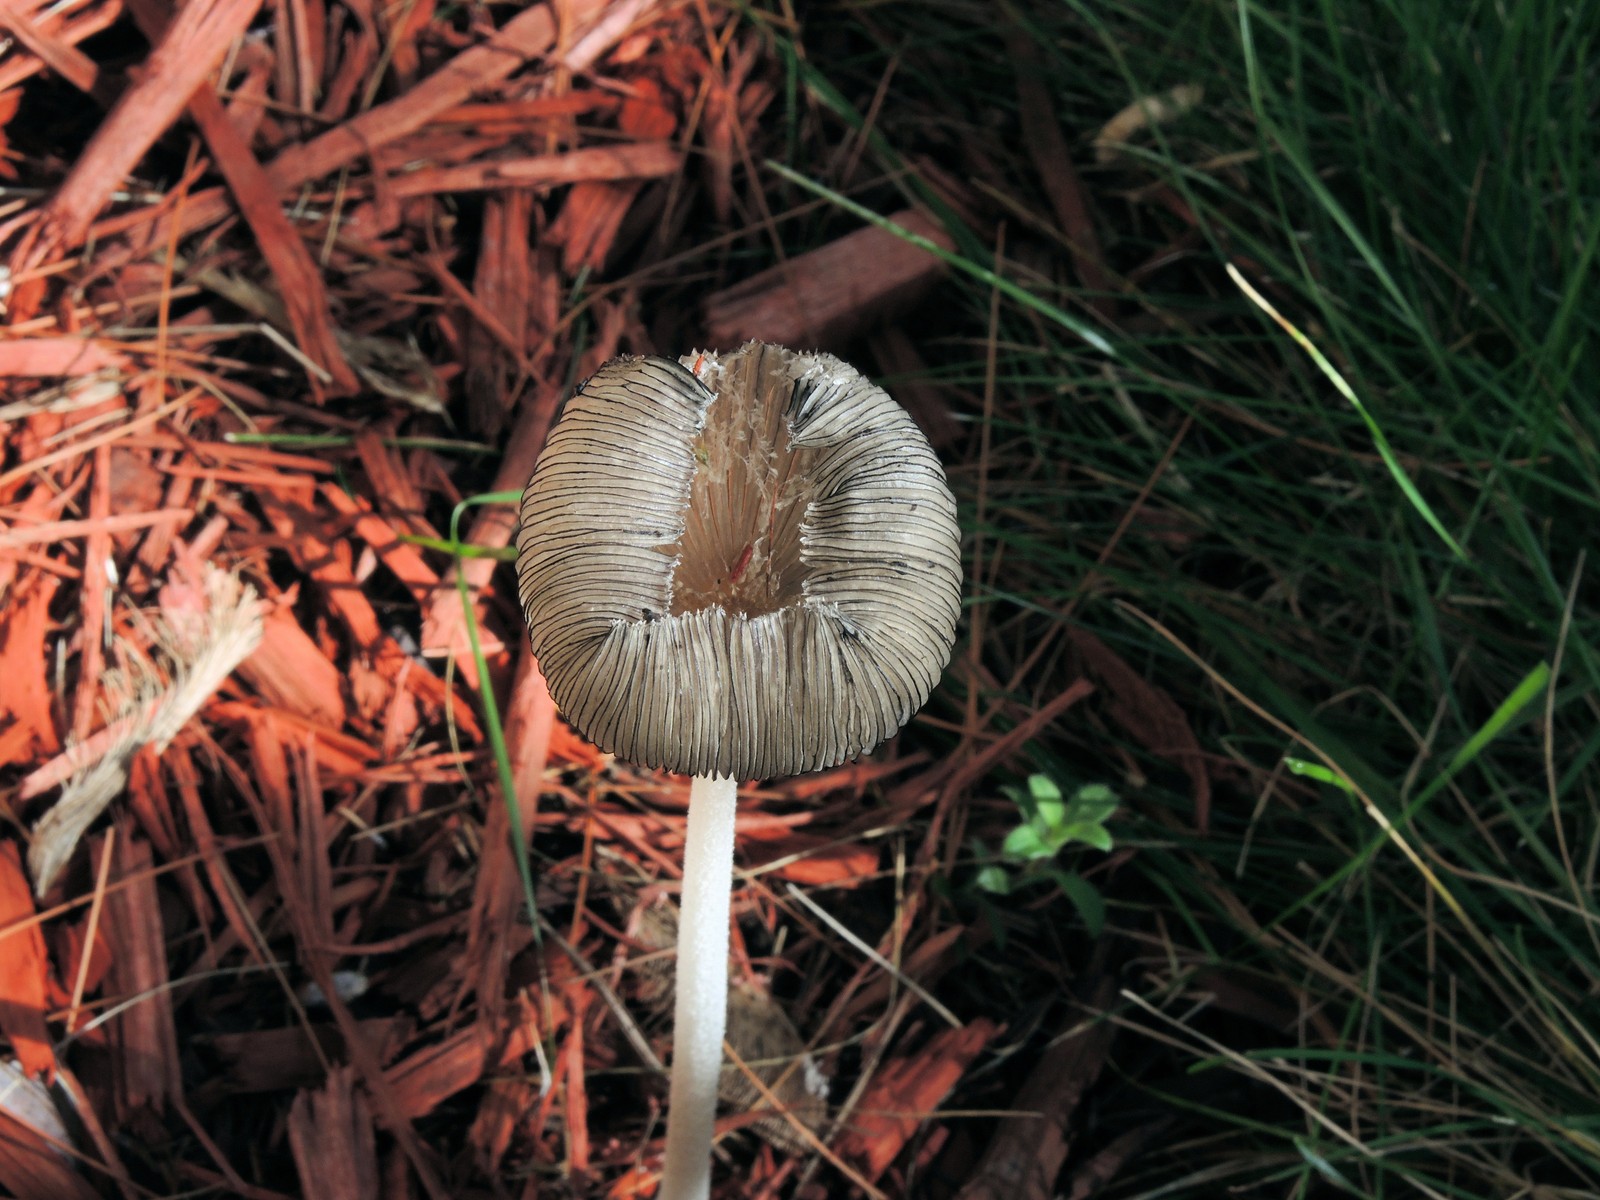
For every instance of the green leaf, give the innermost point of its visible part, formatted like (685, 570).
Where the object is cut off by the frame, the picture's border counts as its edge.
(1085, 898)
(1093, 801)
(1090, 833)
(1048, 806)
(995, 880)
(1020, 798)
(1085, 816)
(491, 713)
(1311, 770)
(1025, 842)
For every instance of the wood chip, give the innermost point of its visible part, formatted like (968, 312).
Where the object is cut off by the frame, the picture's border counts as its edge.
(51, 356)
(192, 47)
(145, 1033)
(906, 1093)
(825, 297)
(632, 160)
(24, 971)
(33, 1168)
(1027, 1151)
(291, 671)
(27, 728)
(335, 1145)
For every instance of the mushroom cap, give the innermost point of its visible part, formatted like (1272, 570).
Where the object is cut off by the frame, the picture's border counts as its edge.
(744, 565)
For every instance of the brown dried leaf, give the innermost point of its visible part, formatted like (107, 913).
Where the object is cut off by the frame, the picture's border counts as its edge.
(758, 1029)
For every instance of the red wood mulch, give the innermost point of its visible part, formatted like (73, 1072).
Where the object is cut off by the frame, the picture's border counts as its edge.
(263, 931)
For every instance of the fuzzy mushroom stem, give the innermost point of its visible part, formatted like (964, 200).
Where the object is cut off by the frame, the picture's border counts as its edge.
(701, 1012)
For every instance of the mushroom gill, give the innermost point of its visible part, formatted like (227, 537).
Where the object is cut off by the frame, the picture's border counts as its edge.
(743, 565)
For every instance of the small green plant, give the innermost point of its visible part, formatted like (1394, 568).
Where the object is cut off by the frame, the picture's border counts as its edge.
(1051, 822)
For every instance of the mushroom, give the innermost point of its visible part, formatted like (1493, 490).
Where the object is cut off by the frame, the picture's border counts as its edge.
(734, 567)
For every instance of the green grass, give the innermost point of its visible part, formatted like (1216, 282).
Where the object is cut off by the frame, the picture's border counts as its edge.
(1404, 835)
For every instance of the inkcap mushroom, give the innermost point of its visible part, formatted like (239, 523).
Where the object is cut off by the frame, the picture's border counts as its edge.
(734, 566)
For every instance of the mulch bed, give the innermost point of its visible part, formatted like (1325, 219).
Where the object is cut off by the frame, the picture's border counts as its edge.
(284, 284)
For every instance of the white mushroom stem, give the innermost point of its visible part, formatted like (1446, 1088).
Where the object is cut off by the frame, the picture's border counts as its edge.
(701, 1013)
